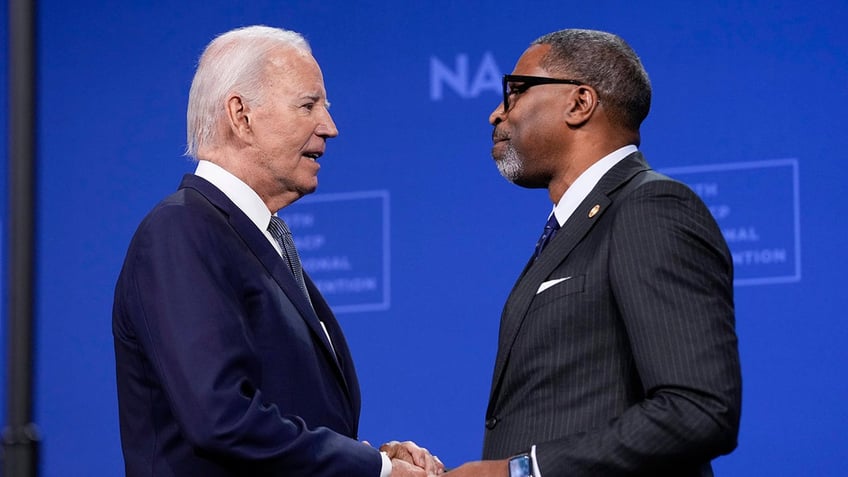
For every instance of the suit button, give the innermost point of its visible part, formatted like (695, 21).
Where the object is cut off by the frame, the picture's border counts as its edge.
(491, 423)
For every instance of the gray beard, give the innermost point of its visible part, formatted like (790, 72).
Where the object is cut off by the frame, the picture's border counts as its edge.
(510, 165)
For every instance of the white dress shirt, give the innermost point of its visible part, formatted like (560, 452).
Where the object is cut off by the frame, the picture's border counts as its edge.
(245, 198)
(587, 181)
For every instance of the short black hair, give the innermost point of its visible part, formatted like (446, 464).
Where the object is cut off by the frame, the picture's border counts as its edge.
(608, 64)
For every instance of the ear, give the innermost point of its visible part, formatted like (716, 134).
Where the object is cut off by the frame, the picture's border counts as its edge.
(238, 117)
(581, 106)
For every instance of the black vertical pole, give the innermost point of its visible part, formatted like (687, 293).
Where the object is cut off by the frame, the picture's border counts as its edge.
(20, 437)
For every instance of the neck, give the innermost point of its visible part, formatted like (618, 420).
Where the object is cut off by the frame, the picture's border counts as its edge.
(236, 163)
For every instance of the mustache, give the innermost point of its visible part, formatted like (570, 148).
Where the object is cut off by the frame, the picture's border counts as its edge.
(499, 135)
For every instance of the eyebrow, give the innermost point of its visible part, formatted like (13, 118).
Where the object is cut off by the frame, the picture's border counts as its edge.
(316, 97)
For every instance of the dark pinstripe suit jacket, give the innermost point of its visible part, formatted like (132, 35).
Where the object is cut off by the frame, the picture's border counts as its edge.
(629, 365)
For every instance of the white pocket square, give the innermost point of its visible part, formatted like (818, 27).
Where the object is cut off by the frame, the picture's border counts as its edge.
(545, 285)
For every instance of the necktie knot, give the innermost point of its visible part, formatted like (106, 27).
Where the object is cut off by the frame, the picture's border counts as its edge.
(278, 228)
(551, 228)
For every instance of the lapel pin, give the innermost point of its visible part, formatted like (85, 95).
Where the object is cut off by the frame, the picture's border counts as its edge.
(594, 210)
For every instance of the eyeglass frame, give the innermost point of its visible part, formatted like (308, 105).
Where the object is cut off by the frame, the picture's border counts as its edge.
(529, 81)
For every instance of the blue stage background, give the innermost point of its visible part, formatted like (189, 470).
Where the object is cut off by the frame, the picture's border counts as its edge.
(749, 107)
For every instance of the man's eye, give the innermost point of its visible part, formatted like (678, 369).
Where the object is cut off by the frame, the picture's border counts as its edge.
(517, 89)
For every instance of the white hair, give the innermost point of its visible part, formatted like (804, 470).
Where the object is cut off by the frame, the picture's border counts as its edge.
(232, 62)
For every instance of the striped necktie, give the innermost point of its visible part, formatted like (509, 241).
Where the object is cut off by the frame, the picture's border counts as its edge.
(281, 233)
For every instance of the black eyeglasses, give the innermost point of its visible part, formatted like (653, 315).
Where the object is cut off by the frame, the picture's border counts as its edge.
(516, 84)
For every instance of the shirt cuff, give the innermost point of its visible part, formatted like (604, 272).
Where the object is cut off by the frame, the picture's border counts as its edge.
(386, 470)
(536, 471)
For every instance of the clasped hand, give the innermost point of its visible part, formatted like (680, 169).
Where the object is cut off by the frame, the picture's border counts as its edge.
(408, 459)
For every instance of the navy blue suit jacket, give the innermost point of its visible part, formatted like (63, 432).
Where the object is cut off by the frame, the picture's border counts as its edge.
(223, 368)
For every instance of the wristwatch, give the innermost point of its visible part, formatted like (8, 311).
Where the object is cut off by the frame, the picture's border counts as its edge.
(521, 466)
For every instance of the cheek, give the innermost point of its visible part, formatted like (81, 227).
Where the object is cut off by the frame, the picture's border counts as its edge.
(526, 138)
(540, 131)
(282, 143)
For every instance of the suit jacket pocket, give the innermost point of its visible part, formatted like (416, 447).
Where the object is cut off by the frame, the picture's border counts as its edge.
(575, 284)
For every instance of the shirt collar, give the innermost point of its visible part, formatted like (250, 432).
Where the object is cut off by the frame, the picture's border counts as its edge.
(587, 181)
(245, 198)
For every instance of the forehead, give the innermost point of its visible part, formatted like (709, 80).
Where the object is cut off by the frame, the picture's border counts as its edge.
(530, 62)
(294, 67)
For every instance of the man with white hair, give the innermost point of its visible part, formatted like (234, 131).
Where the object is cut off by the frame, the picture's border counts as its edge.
(229, 361)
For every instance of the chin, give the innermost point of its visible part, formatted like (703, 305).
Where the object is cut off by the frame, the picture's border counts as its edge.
(510, 170)
(308, 189)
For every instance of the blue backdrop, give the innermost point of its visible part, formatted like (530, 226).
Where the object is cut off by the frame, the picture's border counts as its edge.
(749, 108)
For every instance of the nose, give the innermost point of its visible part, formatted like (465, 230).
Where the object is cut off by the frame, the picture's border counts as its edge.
(497, 115)
(327, 127)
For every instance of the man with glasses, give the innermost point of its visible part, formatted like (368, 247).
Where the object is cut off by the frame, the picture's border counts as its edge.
(617, 353)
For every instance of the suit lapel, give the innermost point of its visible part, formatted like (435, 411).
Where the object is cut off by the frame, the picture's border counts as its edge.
(342, 351)
(569, 236)
(270, 259)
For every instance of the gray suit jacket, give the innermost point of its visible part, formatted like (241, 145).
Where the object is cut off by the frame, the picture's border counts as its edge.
(629, 365)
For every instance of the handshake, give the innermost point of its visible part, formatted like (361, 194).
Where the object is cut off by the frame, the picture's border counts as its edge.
(411, 460)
